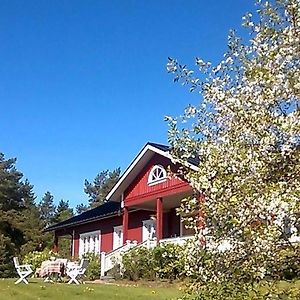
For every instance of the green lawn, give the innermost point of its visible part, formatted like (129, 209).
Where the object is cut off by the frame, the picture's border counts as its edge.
(39, 290)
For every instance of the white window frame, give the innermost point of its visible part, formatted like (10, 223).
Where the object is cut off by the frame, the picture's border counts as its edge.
(145, 233)
(116, 241)
(90, 242)
(155, 171)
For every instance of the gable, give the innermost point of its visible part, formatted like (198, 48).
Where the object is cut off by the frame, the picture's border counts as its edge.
(141, 189)
(136, 168)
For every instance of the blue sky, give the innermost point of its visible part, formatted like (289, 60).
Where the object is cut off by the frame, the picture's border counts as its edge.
(83, 84)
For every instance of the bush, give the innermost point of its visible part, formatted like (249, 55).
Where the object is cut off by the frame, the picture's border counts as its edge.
(163, 261)
(138, 263)
(169, 261)
(93, 270)
(245, 291)
(36, 258)
(286, 263)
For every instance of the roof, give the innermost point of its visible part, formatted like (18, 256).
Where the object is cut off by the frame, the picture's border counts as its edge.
(159, 146)
(104, 210)
(138, 163)
(112, 206)
(192, 160)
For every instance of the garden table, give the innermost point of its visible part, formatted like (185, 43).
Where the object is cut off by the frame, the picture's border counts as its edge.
(50, 268)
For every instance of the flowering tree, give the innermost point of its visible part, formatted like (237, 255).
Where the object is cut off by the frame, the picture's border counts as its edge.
(246, 134)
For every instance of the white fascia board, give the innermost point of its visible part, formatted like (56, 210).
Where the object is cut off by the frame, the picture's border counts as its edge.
(135, 162)
(127, 172)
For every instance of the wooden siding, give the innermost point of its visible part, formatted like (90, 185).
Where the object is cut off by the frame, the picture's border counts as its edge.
(105, 226)
(140, 190)
(171, 227)
(135, 224)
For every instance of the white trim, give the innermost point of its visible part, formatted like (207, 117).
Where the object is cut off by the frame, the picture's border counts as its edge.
(152, 181)
(86, 245)
(136, 160)
(117, 243)
(146, 234)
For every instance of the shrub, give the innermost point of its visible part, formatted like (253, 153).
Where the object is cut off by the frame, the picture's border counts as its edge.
(36, 258)
(169, 261)
(138, 263)
(245, 291)
(286, 263)
(93, 270)
(163, 261)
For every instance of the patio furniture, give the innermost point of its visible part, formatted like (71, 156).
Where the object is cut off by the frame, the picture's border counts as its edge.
(75, 272)
(22, 270)
(51, 268)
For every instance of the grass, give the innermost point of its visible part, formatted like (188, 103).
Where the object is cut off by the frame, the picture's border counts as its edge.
(37, 289)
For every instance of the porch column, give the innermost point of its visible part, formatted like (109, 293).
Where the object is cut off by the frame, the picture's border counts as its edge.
(73, 244)
(159, 218)
(201, 219)
(125, 224)
(55, 244)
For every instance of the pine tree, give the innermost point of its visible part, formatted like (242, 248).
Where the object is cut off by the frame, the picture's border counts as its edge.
(101, 186)
(19, 218)
(63, 211)
(47, 209)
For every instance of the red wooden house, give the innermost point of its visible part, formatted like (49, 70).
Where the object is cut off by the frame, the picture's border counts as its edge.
(140, 207)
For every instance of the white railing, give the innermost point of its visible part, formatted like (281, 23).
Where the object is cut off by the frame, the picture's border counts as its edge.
(180, 240)
(114, 257)
(148, 244)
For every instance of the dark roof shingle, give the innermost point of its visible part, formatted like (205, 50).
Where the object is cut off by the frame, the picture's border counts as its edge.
(192, 160)
(106, 209)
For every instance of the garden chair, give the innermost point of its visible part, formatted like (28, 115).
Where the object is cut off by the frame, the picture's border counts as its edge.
(22, 270)
(75, 272)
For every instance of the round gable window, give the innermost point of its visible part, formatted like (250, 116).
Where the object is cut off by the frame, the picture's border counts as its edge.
(157, 174)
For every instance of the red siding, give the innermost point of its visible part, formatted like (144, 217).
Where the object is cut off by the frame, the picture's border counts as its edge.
(171, 228)
(140, 190)
(106, 227)
(135, 224)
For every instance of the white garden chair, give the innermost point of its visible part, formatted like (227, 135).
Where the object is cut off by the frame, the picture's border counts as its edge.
(22, 270)
(75, 272)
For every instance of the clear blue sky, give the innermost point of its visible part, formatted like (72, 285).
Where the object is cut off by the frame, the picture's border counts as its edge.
(83, 84)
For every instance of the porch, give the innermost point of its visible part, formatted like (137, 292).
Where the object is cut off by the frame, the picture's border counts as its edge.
(160, 220)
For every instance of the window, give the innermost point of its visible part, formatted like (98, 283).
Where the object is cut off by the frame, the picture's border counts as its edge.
(117, 237)
(157, 174)
(89, 243)
(149, 230)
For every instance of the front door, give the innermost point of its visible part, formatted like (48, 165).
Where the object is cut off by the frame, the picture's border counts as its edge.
(149, 230)
(118, 237)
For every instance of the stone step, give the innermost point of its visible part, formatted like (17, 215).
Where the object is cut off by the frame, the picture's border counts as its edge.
(107, 278)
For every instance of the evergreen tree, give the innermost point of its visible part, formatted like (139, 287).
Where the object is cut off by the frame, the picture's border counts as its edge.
(63, 211)
(31, 222)
(10, 184)
(101, 186)
(19, 222)
(47, 209)
(80, 208)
